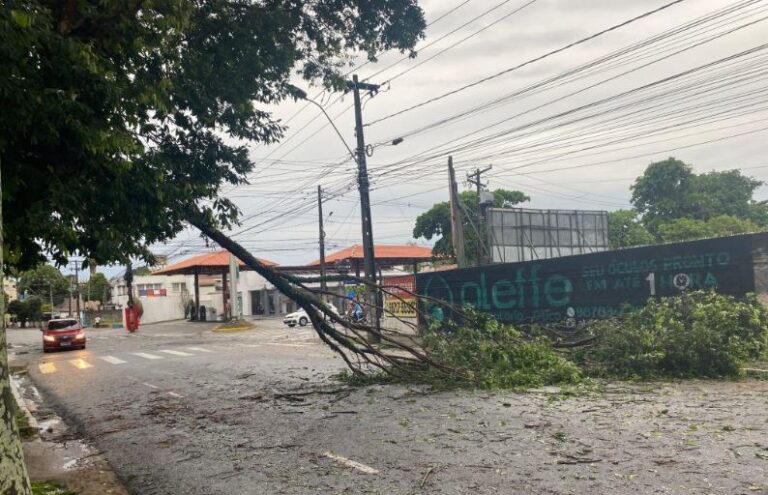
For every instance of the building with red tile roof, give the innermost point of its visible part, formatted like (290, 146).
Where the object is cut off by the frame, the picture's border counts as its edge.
(212, 263)
(386, 256)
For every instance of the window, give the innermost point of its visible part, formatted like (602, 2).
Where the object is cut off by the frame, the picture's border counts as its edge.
(179, 287)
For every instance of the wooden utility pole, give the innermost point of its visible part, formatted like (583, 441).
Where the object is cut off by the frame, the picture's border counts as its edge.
(323, 285)
(365, 203)
(457, 224)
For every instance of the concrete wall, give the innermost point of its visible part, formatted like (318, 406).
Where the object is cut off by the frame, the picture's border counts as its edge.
(156, 308)
(162, 308)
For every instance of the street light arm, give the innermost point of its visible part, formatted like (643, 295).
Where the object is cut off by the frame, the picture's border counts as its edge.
(301, 94)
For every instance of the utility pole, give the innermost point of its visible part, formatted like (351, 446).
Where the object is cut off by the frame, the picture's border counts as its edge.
(77, 289)
(323, 287)
(475, 179)
(365, 202)
(457, 225)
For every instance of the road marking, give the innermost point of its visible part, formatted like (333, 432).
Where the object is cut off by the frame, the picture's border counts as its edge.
(47, 368)
(198, 349)
(177, 353)
(150, 385)
(146, 355)
(352, 464)
(112, 360)
(80, 364)
(174, 394)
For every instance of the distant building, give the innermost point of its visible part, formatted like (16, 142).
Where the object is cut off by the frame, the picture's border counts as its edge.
(170, 293)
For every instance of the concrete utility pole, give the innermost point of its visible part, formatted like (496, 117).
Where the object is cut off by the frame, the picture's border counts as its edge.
(457, 225)
(77, 288)
(475, 179)
(323, 286)
(365, 202)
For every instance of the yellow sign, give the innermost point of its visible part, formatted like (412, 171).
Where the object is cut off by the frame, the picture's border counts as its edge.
(400, 307)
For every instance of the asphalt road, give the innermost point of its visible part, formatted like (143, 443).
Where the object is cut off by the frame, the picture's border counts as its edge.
(177, 409)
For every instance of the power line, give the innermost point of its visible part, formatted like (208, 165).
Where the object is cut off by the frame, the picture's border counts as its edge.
(528, 62)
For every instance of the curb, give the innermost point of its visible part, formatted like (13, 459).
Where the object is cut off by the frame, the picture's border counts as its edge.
(232, 329)
(756, 372)
(22, 404)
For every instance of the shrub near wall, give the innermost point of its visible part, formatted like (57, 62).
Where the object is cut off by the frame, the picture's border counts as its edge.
(697, 334)
(491, 355)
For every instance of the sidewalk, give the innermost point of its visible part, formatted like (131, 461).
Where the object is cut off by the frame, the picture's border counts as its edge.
(54, 453)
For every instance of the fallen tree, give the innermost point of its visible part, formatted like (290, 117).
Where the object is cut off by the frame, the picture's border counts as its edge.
(354, 343)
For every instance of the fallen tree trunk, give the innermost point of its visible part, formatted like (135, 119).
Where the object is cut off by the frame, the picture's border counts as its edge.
(354, 346)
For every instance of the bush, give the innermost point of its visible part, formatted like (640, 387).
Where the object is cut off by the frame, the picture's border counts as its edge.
(696, 334)
(487, 354)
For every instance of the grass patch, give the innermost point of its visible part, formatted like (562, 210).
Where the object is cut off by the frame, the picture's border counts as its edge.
(25, 430)
(48, 488)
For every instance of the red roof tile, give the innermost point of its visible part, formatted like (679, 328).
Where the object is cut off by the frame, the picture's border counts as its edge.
(216, 260)
(382, 252)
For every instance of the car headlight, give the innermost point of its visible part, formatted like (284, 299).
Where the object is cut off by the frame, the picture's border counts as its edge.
(49, 338)
(80, 336)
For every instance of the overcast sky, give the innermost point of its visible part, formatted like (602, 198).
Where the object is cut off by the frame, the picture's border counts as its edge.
(610, 149)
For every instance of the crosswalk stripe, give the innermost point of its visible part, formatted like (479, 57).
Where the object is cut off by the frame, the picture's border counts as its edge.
(147, 355)
(112, 360)
(199, 349)
(177, 353)
(80, 364)
(46, 368)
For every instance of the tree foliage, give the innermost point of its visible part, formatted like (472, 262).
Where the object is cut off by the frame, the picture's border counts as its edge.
(626, 230)
(28, 310)
(43, 281)
(436, 222)
(669, 190)
(121, 117)
(686, 229)
(697, 334)
(98, 288)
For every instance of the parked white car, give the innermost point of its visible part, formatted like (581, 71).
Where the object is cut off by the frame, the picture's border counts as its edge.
(301, 318)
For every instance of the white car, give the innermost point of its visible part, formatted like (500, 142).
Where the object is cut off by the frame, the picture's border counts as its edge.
(301, 318)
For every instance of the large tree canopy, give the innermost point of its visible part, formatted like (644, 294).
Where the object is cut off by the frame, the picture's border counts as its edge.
(436, 222)
(121, 117)
(46, 282)
(669, 190)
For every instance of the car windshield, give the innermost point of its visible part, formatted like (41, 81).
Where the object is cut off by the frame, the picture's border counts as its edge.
(62, 324)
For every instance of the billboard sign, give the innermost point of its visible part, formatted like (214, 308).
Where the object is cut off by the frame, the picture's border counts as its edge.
(525, 234)
(598, 285)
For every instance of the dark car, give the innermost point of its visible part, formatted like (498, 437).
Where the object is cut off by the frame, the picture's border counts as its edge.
(64, 333)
